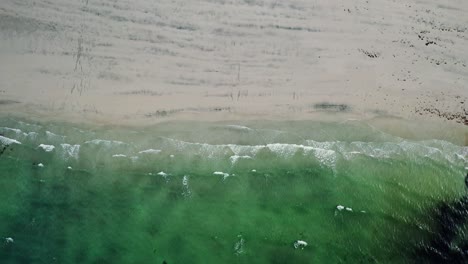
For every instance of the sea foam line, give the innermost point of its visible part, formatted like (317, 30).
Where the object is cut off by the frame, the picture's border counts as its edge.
(46, 148)
(150, 151)
(8, 141)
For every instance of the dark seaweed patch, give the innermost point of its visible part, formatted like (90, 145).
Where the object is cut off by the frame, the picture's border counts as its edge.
(370, 54)
(7, 102)
(459, 117)
(332, 107)
(2, 150)
(448, 244)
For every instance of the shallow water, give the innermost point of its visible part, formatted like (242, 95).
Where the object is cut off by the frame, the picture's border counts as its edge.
(222, 193)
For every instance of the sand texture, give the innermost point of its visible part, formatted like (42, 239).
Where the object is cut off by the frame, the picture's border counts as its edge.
(145, 61)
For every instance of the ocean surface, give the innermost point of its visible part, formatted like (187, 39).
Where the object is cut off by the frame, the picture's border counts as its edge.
(187, 192)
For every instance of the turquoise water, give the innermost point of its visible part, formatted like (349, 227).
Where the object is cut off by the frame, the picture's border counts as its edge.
(223, 193)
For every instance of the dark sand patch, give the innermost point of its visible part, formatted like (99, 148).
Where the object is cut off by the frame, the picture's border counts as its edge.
(326, 106)
(8, 102)
(459, 117)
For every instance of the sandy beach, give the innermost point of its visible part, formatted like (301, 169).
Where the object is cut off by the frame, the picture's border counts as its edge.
(144, 62)
(233, 131)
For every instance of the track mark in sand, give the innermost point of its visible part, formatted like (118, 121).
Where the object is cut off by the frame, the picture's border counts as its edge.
(82, 54)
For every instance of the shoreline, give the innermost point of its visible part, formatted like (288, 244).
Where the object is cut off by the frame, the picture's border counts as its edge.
(420, 128)
(136, 65)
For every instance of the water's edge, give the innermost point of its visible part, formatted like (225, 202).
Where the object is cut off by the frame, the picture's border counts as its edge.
(186, 192)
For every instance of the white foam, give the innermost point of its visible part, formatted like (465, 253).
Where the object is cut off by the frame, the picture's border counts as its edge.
(225, 175)
(185, 183)
(284, 150)
(300, 244)
(9, 240)
(8, 141)
(70, 151)
(239, 246)
(204, 149)
(238, 127)
(32, 135)
(163, 174)
(40, 165)
(105, 142)
(119, 156)
(460, 156)
(326, 156)
(351, 154)
(235, 158)
(17, 131)
(150, 151)
(46, 148)
(434, 149)
(34, 126)
(329, 152)
(53, 136)
(185, 180)
(69, 168)
(254, 170)
(245, 150)
(341, 208)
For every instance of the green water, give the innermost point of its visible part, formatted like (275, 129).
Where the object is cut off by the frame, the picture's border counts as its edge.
(101, 198)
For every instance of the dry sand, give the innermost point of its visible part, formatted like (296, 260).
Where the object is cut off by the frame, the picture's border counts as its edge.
(145, 61)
